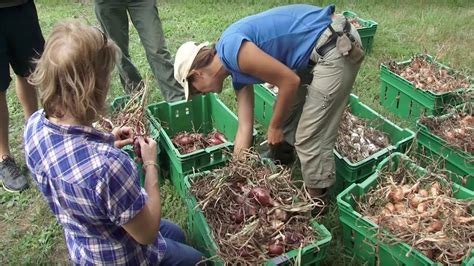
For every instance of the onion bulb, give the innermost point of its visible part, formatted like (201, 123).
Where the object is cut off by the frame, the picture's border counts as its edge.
(276, 249)
(435, 226)
(389, 206)
(396, 194)
(261, 195)
(423, 192)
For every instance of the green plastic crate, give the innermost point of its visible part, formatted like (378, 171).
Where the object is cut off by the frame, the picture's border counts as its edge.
(400, 140)
(346, 171)
(202, 237)
(359, 234)
(203, 114)
(454, 159)
(402, 98)
(119, 103)
(263, 104)
(367, 32)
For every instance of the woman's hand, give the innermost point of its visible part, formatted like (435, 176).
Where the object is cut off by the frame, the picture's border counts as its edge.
(148, 149)
(123, 136)
(274, 135)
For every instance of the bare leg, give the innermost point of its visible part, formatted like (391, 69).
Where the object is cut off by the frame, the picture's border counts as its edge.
(4, 119)
(27, 95)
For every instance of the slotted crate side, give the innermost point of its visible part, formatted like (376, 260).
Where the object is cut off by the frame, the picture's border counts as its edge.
(402, 98)
(400, 140)
(452, 158)
(203, 238)
(203, 114)
(360, 235)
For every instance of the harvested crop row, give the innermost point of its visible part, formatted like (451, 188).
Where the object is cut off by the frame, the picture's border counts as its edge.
(254, 212)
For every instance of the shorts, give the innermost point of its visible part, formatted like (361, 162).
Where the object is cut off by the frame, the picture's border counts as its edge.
(21, 41)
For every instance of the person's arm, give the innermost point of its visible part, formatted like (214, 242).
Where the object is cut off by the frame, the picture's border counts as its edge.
(144, 227)
(243, 139)
(257, 63)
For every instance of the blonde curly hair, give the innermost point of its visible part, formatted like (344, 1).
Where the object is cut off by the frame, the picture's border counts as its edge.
(73, 74)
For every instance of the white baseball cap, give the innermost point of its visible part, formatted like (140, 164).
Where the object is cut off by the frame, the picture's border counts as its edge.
(185, 56)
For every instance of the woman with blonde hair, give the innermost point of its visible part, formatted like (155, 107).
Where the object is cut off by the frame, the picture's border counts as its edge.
(92, 186)
(275, 46)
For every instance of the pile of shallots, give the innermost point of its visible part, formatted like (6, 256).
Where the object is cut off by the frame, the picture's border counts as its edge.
(429, 76)
(255, 211)
(457, 130)
(187, 142)
(422, 212)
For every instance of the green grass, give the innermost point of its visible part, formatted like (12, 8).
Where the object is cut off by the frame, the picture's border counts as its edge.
(30, 233)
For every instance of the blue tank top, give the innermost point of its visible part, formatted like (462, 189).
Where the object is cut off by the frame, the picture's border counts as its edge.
(287, 33)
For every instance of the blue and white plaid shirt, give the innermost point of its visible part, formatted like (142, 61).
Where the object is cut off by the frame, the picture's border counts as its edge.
(92, 188)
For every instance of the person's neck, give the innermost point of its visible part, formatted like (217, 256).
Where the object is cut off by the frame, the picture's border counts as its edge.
(67, 120)
(218, 68)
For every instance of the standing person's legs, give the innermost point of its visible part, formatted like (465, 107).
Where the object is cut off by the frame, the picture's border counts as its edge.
(18, 50)
(177, 252)
(317, 130)
(145, 17)
(112, 16)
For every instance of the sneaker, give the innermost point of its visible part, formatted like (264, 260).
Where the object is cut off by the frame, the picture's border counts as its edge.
(10, 176)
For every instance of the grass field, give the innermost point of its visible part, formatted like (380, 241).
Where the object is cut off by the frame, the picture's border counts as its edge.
(30, 234)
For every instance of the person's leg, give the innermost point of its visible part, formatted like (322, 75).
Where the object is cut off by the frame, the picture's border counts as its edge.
(27, 95)
(112, 16)
(172, 231)
(4, 122)
(145, 17)
(317, 130)
(177, 253)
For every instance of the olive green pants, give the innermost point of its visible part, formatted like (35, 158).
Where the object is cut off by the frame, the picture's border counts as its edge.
(313, 121)
(113, 18)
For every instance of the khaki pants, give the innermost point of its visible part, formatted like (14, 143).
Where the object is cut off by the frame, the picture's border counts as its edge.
(314, 117)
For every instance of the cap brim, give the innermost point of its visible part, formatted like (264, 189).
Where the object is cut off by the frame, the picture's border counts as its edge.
(187, 93)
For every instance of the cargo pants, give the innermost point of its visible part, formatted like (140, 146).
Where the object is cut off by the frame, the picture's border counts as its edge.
(113, 18)
(314, 117)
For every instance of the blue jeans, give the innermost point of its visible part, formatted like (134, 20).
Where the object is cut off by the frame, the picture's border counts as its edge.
(177, 252)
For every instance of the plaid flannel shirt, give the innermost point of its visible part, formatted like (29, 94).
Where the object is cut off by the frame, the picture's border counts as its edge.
(92, 188)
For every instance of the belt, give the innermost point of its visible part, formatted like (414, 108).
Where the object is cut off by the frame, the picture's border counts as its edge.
(331, 43)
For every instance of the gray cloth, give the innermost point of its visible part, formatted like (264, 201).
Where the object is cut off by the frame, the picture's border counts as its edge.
(314, 117)
(10, 3)
(112, 15)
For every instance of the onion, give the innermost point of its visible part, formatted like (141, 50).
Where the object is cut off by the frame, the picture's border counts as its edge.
(422, 207)
(406, 189)
(428, 253)
(400, 207)
(435, 189)
(292, 238)
(262, 196)
(415, 201)
(396, 194)
(238, 217)
(213, 141)
(423, 192)
(281, 215)
(435, 226)
(220, 137)
(137, 150)
(390, 207)
(276, 249)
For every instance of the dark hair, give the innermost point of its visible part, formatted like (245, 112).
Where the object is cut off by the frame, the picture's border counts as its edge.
(203, 59)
